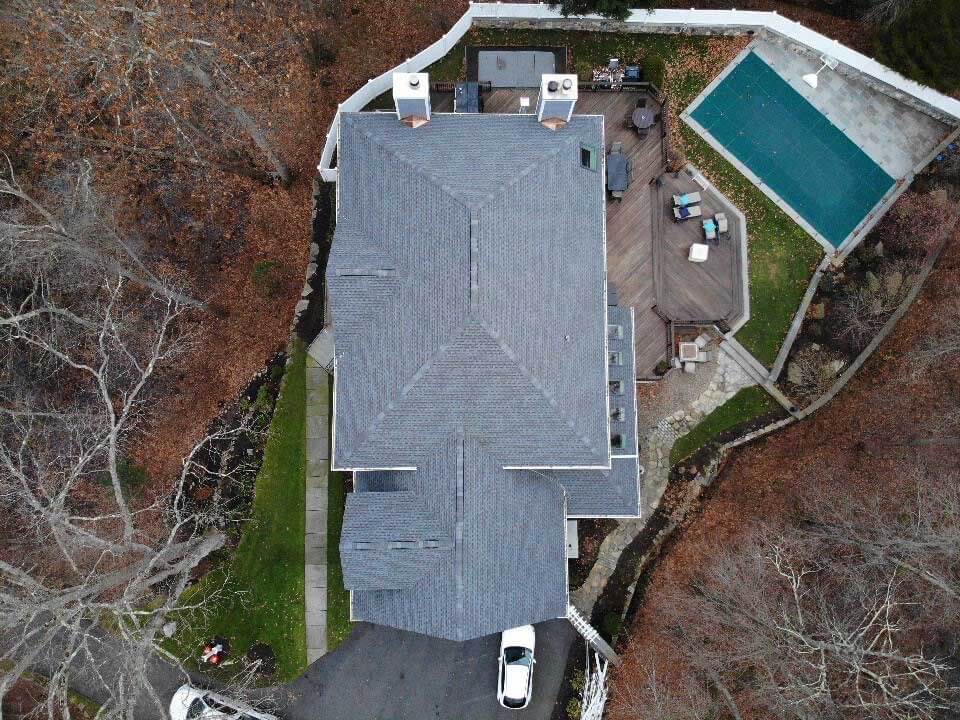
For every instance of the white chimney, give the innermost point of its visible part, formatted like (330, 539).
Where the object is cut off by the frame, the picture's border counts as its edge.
(558, 95)
(411, 95)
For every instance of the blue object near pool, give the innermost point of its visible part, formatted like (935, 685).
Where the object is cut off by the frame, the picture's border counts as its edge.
(793, 149)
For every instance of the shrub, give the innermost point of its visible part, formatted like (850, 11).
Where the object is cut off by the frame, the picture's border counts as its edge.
(574, 708)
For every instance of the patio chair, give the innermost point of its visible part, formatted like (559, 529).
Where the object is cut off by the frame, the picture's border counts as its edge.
(617, 195)
(690, 368)
(628, 121)
(703, 356)
(722, 226)
(702, 340)
(685, 213)
(642, 101)
(690, 198)
(676, 363)
(642, 133)
(709, 230)
(616, 148)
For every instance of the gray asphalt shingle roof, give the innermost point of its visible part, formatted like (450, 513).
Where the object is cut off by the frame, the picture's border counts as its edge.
(469, 265)
(467, 287)
(500, 560)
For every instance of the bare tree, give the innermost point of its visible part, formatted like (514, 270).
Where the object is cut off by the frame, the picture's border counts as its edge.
(815, 642)
(887, 12)
(863, 310)
(645, 696)
(85, 558)
(942, 344)
(811, 372)
(920, 537)
(151, 76)
(72, 222)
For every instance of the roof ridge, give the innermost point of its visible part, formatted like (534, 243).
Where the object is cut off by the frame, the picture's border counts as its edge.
(531, 378)
(535, 163)
(432, 177)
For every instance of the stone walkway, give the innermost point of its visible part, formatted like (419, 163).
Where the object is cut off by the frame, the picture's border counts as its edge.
(697, 396)
(318, 468)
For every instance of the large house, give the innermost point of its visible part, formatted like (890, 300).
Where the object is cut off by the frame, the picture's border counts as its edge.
(484, 372)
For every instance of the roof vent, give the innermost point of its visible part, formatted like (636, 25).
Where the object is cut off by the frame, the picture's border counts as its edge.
(411, 96)
(558, 95)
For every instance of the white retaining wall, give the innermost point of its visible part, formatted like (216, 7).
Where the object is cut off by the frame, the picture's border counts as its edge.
(671, 21)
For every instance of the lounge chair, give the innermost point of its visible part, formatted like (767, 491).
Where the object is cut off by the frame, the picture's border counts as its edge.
(685, 213)
(691, 198)
(710, 230)
(722, 226)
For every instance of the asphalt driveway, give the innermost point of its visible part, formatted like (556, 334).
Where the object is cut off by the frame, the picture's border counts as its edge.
(384, 674)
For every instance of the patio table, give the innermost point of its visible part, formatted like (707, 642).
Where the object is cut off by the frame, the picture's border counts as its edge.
(643, 118)
(617, 176)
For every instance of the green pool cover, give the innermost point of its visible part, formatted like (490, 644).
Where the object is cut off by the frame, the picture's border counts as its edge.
(786, 142)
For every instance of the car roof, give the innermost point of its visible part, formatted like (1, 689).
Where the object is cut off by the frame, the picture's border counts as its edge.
(515, 681)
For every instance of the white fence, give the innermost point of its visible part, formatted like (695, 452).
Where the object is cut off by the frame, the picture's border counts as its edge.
(640, 21)
(594, 697)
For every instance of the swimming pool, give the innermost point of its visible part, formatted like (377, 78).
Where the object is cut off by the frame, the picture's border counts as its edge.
(789, 146)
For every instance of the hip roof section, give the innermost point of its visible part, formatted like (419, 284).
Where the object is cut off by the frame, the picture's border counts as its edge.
(467, 286)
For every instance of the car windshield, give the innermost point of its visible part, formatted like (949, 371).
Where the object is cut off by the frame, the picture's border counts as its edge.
(196, 708)
(516, 656)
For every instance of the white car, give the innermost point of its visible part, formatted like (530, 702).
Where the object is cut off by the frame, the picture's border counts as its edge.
(515, 681)
(190, 703)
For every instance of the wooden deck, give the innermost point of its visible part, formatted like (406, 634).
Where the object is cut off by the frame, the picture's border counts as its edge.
(696, 293)
(630, 224)
(677, 291)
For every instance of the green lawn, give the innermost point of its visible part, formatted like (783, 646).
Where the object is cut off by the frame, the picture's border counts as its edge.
(338, 599)
(259, 591)
(745, 405)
